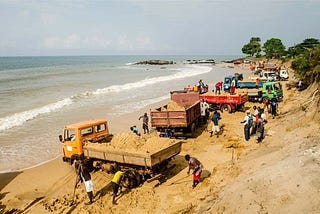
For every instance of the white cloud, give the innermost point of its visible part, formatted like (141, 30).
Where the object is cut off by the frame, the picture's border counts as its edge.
(49, 19)
(74, 41)
(7, 44)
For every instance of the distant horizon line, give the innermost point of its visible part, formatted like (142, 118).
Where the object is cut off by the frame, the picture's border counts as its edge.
(121, 55)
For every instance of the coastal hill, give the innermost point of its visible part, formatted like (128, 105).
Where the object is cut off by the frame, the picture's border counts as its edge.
(279, 175)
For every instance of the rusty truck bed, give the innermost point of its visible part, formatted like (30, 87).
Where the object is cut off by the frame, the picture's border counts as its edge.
(131, 158)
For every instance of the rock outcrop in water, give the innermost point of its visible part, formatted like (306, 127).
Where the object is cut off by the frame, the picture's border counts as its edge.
(155, 62)
(200, 61)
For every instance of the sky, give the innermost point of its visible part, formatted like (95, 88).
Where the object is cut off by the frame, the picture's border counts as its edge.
(153, 27)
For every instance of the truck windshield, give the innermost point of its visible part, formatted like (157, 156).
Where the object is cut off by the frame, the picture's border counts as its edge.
(277, 86)
(69, 134)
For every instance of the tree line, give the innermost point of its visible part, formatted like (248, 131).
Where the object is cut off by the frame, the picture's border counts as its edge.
(305, 56)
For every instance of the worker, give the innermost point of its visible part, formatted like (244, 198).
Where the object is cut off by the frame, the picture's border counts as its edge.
(116, 184)
(202, 87)
(196, 166)
(218, 87)
(204, 109)
(215, 123)
(233, 86)
(257, 82)
(135, 130)
(168, 133)
(260, 129)
(247, 122)
(84, 177)
(274, 107)
(145, 121)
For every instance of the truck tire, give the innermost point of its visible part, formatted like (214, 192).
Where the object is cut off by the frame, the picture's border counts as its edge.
(265, 99)
(226, 107)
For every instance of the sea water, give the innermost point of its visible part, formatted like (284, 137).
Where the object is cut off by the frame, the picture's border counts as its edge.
(39, 95)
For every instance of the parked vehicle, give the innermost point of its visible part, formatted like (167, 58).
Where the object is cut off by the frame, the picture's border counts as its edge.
(272, 90)
(269, 76)
(89, 140)
(239, 84)
(284, 74)
(268, 91)
(181, 114)
(225, 102)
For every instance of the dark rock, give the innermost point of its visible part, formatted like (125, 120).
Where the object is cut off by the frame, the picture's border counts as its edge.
(155, 62)
(200, 61)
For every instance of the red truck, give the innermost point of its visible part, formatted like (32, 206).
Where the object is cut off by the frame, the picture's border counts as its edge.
(181, 114)
(225, 102)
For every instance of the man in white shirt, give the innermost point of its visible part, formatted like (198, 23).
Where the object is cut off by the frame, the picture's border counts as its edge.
(204, 108)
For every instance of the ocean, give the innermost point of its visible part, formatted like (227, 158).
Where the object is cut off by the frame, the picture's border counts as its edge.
(39, 95)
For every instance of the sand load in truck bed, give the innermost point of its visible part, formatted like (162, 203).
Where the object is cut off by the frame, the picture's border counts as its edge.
(131, 143)
(129, 149)
(172, 106)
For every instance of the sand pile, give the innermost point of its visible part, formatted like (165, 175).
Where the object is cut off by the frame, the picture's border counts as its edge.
(130, 142)
(172, 106)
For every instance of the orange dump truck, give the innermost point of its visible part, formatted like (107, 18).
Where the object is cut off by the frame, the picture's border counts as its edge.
(91, 140)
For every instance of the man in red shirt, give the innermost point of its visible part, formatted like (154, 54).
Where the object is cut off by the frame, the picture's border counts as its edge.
(218, 87)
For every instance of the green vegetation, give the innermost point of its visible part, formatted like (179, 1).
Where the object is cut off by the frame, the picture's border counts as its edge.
(305, 56)
(274, 48)
(304, 47)
(253, 47)
(307, 65)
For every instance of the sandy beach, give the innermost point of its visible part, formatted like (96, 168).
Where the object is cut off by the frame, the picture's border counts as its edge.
(279, 175)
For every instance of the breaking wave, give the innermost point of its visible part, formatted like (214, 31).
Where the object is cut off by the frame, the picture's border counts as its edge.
(20, 118)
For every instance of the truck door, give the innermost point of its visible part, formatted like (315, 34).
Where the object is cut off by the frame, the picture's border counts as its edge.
(70, 143)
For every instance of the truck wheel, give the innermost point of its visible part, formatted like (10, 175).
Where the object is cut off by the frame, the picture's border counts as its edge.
(226, 107)
(265, 99)
(193, 129)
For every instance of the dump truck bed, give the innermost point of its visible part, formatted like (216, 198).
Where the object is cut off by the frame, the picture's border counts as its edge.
(164, 117)
(213, 98)
(144, 159)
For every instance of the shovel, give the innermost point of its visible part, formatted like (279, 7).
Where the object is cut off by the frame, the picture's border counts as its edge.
(178, 180)
(74, 191)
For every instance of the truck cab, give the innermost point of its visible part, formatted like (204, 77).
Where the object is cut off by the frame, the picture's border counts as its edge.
(74, 136)
(272, 90)
(227, 82)
(268, 76)
(284, 74)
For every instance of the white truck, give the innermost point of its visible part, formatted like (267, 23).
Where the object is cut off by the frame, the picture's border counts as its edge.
(284, 74)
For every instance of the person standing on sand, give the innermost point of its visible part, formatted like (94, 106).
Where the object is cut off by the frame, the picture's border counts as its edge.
(260, 129)
(204, 108)
(145, 122)
(116, 181)
(85, 177)
(247, 122)
(274, 107)
(215, 126)
(196, 166)
(255, 117)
